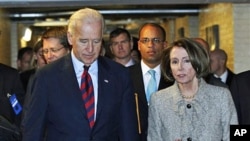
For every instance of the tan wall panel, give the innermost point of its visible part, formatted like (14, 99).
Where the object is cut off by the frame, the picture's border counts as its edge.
(5, 47)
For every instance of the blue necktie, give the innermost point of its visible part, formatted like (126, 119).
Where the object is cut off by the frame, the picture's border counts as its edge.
(152, 85)
(87, 90)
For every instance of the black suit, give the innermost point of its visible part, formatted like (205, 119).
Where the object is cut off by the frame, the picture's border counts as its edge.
(240, 89)
(56, 105)
(25, 77)
(10, 83)
(211, 79)
(229, 77)
(136, 74)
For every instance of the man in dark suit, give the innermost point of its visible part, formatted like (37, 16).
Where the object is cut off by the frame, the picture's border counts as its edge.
(9, 83)
(240, 89)
(210, 78)
(151, 44)
(38, 63)
(218, 63)
(57, 107)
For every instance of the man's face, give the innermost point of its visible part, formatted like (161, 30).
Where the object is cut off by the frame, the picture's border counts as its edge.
(25, 62)
(53, 49)
(151, 45)
(121, 46)
(87, 41)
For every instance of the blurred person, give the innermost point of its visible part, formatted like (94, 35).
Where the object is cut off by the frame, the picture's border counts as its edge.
(121, 45)
(10, 84)
(55, 43)
(136, 56)
(39, 62)
(24, 59)
(60, 103)
(209, 78)
(151, 44)
(218, 65)
(135, 53)
(191, 109)
(240, 90)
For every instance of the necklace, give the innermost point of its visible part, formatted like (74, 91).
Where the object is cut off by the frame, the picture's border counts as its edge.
(187, 97)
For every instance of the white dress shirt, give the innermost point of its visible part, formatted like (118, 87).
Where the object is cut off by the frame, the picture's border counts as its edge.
(93, 71)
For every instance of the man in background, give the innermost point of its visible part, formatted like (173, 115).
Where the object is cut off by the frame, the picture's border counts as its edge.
(210, 78)
(38, 62)
(24, 59)
(218, 64)
(240, 90)
(10, 85)
(121, 45)
(55, 43)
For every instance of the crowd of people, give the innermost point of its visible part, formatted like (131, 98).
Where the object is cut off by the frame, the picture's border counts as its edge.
(70, 89)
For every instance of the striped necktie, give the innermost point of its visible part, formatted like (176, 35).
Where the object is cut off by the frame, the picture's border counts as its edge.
(87, 90)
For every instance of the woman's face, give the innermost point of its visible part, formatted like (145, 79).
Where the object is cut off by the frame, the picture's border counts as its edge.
(181, 67)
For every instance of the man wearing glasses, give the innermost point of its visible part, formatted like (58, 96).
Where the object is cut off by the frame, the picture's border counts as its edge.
(146, 75)
(55, 44)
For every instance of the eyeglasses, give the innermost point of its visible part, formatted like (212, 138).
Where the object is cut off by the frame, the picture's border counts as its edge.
(53, 50)
(153, 40)
(117, 43)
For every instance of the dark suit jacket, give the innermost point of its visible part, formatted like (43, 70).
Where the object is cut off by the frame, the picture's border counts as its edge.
(25, 77)
(136, 75)
(56, 103)
(10, 83)
(229, 77)
(240, 89)
(210, 79)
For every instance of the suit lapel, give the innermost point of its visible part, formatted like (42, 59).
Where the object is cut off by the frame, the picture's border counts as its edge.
(67, 74)
(164, 83)
(104, 78)
(139, 88)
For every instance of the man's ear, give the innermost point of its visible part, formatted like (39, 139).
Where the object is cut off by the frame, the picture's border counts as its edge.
(165, 44)
(69, 36)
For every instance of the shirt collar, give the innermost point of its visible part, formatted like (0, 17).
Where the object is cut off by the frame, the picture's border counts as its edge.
(224, 76)
(145, 68)
(78, 65)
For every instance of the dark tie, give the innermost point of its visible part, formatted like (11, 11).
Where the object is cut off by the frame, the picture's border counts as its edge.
(87, 90)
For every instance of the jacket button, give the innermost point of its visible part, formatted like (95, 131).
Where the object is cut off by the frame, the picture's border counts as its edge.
(189, 106)
(189, 139)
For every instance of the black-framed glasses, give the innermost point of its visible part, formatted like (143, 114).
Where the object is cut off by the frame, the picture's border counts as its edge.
(153, 40)
(53, 50)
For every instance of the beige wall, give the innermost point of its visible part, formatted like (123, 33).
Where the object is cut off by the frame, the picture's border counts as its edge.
(220, 14)
(182, 22)
(214, 14)
(241, 18)
(5, 46)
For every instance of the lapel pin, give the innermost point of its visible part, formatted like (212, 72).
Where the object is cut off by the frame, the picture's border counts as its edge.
(106, 81)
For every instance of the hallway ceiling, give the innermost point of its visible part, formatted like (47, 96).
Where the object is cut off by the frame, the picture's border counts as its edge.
(126, 13)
